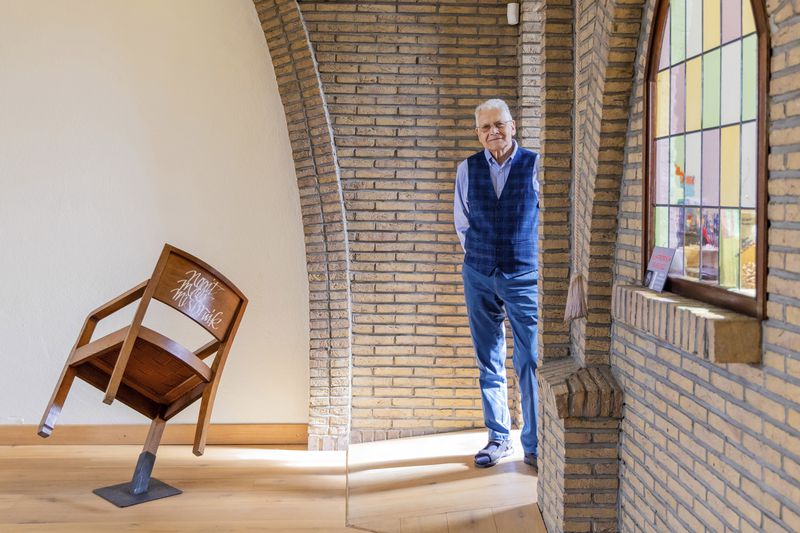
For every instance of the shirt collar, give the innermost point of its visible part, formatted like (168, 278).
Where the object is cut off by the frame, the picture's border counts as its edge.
(490, 158)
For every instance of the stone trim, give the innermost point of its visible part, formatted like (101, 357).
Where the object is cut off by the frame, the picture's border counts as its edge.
(711, 333)
(324, 223)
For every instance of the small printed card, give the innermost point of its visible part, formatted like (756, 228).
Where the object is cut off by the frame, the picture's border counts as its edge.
(658, 267)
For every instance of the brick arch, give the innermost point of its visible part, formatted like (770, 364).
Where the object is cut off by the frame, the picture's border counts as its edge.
(605, 82)
(324, 223)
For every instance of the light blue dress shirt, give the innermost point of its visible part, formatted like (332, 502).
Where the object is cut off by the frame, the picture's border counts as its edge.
(499, 174)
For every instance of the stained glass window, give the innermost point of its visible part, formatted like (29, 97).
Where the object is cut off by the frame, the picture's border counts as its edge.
(705, 147)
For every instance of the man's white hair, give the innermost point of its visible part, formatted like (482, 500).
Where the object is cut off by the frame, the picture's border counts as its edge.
(494, 103)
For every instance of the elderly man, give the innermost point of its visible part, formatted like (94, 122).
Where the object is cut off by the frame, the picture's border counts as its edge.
(496, 217)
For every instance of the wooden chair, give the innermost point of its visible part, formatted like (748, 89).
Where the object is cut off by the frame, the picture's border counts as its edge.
(149, 372)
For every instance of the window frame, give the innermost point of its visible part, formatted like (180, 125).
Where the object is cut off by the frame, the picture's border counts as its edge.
(714, 295)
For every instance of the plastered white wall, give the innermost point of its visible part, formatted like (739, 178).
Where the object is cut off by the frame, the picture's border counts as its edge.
(125, 125)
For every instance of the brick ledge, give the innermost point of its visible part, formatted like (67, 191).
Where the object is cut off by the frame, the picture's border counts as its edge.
(581, 392)
(712, 333)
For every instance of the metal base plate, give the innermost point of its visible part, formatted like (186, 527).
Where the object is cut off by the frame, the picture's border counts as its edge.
(121, 496)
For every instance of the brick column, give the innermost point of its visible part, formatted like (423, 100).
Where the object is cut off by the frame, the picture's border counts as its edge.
(584, 101)
(324, 223)
(607, 37)
(554, 57)
(579, 436)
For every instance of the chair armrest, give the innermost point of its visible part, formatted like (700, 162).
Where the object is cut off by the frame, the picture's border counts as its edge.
(207, 349)
(119, 302)
(144, 292)
(105, 310)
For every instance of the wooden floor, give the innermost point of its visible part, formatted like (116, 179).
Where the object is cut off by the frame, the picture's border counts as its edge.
(429, 484)
(49, 488)
(426, 484)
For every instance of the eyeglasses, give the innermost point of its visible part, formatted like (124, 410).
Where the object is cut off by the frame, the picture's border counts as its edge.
(501, 126)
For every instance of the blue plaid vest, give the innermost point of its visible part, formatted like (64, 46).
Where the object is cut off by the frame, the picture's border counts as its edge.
(503, 232)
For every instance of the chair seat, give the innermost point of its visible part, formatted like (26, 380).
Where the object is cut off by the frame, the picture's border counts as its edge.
(158, 372)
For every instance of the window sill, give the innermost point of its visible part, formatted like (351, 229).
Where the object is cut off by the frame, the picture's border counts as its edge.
(715, 334)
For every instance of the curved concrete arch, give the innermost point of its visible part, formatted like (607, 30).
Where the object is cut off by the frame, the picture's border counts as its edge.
(324, 223)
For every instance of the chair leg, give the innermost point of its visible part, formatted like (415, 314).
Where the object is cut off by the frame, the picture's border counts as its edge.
(56, 401)
(154, 435)
(144, 467)
(141, 488)
(203, 420)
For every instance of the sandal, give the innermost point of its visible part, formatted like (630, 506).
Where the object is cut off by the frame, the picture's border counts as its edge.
(532, 460)
(493, 452)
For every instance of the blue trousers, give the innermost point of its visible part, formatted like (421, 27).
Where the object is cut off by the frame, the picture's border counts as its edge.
(489, 299)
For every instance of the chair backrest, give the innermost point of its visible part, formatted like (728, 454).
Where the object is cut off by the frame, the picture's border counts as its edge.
(197, 290)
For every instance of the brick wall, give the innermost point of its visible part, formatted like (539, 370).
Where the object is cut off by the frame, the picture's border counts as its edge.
(322, 207)
(401, 81)
(552, 467)
(707, 446)
(703, 445)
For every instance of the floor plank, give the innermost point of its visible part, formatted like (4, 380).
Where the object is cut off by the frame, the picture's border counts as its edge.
(525, 519)
(49, 489)
(429, 483)
(424, 524)
(476, 521)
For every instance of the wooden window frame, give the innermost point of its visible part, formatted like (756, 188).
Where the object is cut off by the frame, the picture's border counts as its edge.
(718, 296)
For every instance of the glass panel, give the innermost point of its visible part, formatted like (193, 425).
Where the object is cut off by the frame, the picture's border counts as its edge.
(662, 171)
(677, 106)
(710, 24)
(662, 227)
(731, 82)
(731, 20)
(729, 166)
(711, 89)
(677, 30)
(676, 166)
(662, 104)
(694, 28)
(676, 239)
(663, 60)
(694, 159)
(699, 171)
(729, 248)
(709, 255)
(691, 243)
(711, 167)
(747, 273)
(749, 158)
(748, 22)
(693, 93)
(749, 77)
